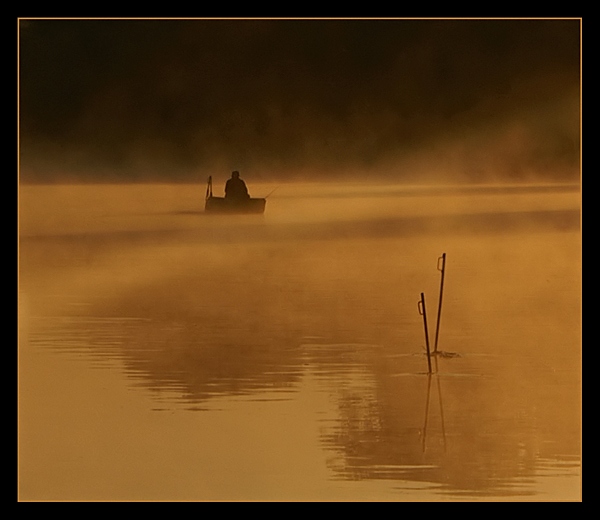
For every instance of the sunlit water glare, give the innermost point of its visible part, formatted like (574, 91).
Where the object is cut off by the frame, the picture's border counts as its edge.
(165, 354)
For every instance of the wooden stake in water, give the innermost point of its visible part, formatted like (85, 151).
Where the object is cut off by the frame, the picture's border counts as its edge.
(439, 315)
(423, 312)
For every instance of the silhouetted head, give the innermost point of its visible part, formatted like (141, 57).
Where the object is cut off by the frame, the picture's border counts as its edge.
(235, 175)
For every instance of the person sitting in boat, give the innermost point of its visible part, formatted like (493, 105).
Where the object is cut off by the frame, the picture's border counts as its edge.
(235, 188)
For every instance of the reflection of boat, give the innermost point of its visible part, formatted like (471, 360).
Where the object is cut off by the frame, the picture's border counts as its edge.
(222, 205)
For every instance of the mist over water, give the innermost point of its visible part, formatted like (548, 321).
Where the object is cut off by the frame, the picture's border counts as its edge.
(168, 354)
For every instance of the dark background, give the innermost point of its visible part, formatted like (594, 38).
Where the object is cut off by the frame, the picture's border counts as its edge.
(133, 100)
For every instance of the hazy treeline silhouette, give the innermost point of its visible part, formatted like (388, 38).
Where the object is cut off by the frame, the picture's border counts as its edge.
(164, 99)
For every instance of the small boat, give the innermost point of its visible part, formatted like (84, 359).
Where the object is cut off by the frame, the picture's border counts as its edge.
(214, 204)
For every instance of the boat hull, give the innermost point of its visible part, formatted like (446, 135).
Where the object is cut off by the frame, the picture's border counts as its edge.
(223, 205)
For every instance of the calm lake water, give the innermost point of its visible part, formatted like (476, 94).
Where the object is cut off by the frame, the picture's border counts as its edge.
(169, 355)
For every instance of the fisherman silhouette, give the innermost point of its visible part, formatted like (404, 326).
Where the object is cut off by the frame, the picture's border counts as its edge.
(235, 188)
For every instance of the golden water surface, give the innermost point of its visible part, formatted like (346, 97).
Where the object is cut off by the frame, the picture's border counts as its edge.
(165, 354)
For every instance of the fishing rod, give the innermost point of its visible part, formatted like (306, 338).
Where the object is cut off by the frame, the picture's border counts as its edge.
(271, 192)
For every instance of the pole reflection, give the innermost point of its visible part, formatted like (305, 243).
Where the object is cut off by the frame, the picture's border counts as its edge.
(441, 406)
